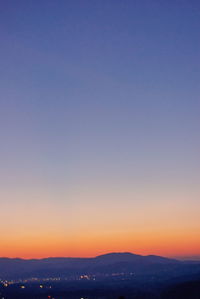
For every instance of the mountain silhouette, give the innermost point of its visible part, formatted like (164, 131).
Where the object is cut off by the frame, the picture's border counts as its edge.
(101, 265)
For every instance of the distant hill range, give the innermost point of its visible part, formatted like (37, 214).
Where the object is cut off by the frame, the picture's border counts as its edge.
(101, 266)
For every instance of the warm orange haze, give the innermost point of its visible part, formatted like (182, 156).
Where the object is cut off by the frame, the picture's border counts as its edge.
(41, 227)
(86, 246)
(90, 229)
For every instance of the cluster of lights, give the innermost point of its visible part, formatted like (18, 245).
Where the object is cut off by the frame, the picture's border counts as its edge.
(84, 277)
(87, 277)
(6, 283)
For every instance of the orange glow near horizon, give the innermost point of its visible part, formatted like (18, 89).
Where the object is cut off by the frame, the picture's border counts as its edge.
(165, 244)
(44, 229)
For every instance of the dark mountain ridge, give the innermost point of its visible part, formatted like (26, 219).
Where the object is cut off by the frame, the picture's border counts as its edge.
(106, 264)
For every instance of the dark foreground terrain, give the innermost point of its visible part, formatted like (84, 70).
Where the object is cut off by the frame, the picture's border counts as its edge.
(85, 290)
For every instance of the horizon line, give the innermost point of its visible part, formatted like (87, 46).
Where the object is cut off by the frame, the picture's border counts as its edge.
(180, 257)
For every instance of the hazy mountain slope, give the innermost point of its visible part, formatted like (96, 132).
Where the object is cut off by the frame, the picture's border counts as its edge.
(103, 264)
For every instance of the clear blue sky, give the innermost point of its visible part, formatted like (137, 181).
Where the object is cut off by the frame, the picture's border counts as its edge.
(99, 103)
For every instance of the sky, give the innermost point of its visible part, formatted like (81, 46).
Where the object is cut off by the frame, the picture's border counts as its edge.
(99, 127)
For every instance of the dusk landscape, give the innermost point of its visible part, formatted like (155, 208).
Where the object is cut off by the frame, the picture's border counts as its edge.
(100, 143)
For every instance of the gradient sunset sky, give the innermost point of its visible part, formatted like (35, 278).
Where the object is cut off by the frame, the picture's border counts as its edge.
(99, 127)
